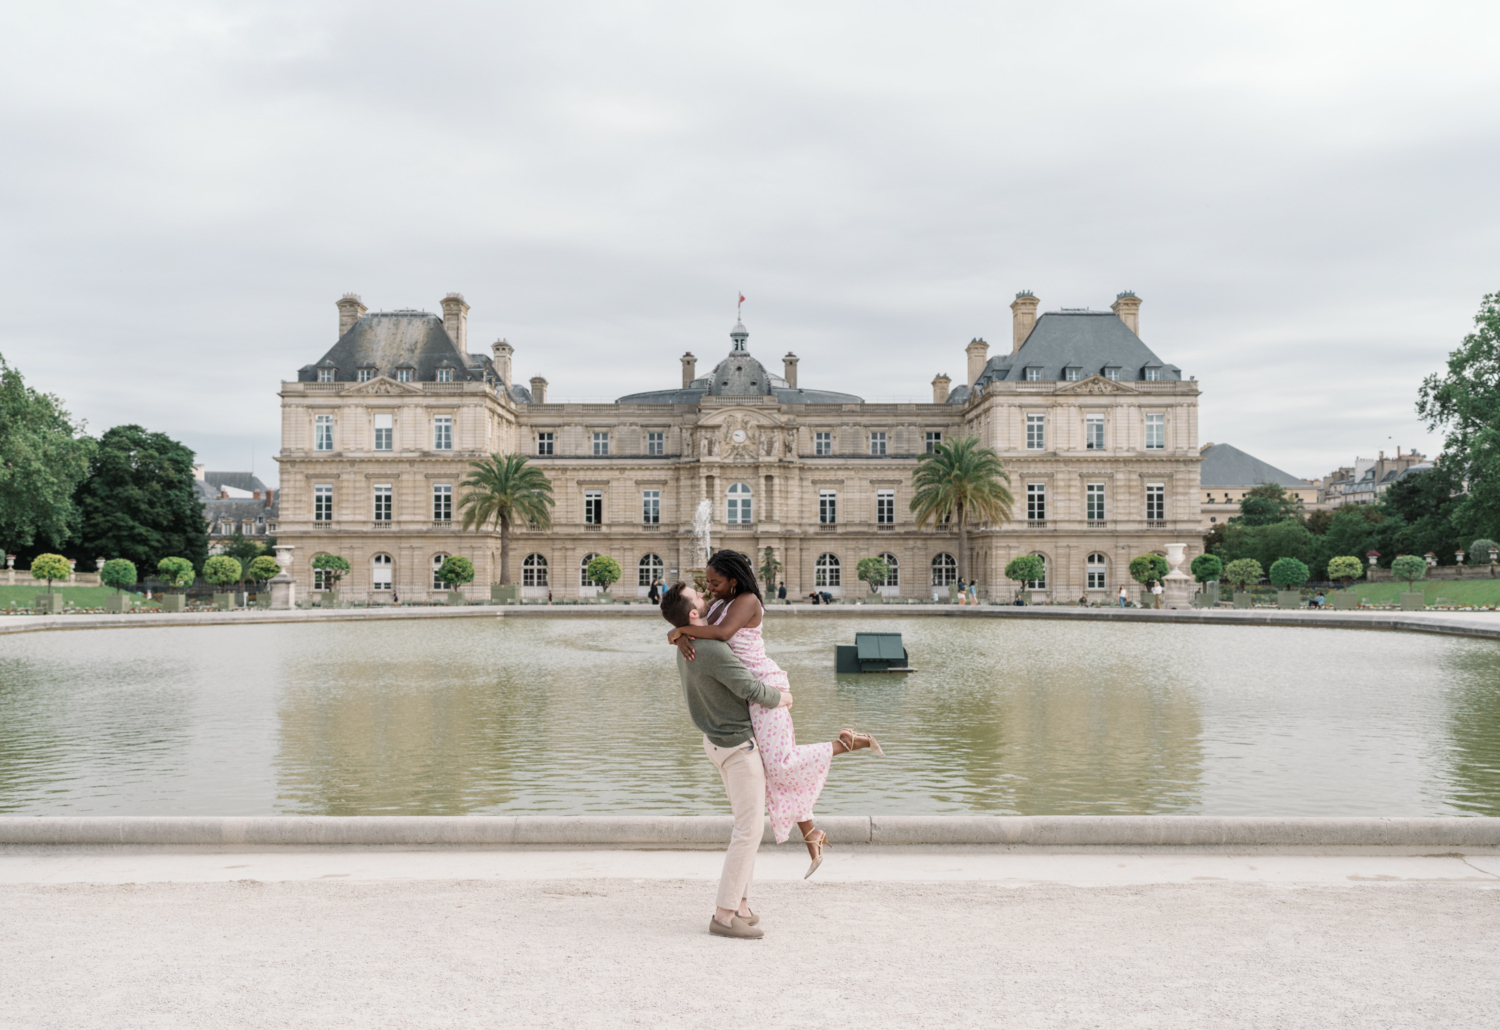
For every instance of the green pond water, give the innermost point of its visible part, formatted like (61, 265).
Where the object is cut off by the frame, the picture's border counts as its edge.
(584, 716)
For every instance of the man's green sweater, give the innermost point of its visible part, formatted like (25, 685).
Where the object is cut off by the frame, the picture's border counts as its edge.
(718, 688)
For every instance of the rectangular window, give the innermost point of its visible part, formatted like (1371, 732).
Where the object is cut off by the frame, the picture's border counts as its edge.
(544, 444)
(933, 439)
(383, 503)
(366, 374)
(323, 503)
(737, 505)
(593, 507)
(822, 444)
(1036, 432)
(1036, 502)
(828, 507)
(323, 433)
(877, 444)
(1033, 375)
(1111, 373)
(651, 507)
(403, 375)
(385, 432)
(1153, 374)
(445, 375)
(1096, 573)
(1156, 432)
(656, 444)
(442, 433)
(1156, 502)
(325, 375)
(885, 508)
(601, 444)
(1073, 374)
(1093, 433)
(442, 502)
(1094, 502)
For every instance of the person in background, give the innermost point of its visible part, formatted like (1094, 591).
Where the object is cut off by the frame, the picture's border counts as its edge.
(654, 594)
(1083, 601)
(1156, 593)
(1318, 600)
(1124, 596)
(961, 595)
(781, 594)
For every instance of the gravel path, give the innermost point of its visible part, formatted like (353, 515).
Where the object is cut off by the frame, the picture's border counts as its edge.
(618, 953)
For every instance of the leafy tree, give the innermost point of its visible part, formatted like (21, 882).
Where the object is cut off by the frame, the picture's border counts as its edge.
(1409, 567)
(263, 568)
(1317, 522)
(604, 570)
(1427, 503)
(118, 573)
(178, 572)
(334, 568)
(222, 570)
(1144, 568)
(1243, 571)
(1465, 402)
(1267, 504)
(1346, 569)
(1289, 573)
(770, 569)
(1025, 567)
(139, 502)
(50, 567)
(1479, 550)
(43, 457)
(1207, 567)
(873, 571)
(245, 550)
(501, 489)
(959, 480)
(1266, 543)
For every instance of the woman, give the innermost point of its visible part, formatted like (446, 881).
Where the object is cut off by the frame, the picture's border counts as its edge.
(654, 594)
(1124, 596)
(794, 774)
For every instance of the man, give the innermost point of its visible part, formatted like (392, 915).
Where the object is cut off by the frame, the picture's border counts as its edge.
(1156, 593)
(718, 690)
(781, 594)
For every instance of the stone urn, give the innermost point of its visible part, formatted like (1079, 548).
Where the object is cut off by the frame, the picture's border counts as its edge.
(1177, 586)
(283, 586)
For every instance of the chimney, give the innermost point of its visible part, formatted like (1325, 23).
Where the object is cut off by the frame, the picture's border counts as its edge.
(503, 351)
(199, 473)
(538, 390)
(789, 369)
(689, 369)
(978, 352)
(1023, 318)
(1128, 306)
(350, 310)
(940, 389)
(456, 321)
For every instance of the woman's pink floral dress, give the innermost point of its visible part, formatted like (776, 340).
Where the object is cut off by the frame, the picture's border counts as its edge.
(794, 775)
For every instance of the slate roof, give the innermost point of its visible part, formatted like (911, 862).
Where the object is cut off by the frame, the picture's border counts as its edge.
(1224, 465)
(216, 511)
(739, 375)
(388, 340)
(1088, 340)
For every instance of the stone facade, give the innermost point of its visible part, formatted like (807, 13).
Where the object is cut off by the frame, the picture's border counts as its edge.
(1099, 437)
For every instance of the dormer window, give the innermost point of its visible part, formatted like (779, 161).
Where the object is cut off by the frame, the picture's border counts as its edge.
(1033, 374)
(1153, 374)
(445, 375)
(1112, 372)
(325, 375)
(366, 374)
(1072, 373)
(403, 375)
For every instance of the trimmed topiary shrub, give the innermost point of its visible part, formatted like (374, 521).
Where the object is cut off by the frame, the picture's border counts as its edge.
(1479, 550)
(263, 568)
(1289, 573)
(50, 567)
(1411, 568)
(1147, 567)
(873, 571)
(457, 570)
(178, 572)
(1207, 567)
(1243, 571)
(333, 567)
(1025, 567)
(118, 573)
(1346, 569)
(222, 570)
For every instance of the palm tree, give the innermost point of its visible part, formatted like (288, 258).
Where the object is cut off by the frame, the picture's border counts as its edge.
(503, 488)
(957, 479)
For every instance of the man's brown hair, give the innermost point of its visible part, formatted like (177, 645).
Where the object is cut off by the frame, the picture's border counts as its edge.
(676, 608)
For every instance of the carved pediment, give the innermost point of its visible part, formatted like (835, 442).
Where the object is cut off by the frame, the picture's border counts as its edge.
(384, 386)
(1097, 384)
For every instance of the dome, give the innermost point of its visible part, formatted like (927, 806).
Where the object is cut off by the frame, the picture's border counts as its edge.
(740, 375)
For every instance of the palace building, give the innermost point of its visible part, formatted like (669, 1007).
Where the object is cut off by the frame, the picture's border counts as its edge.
(1098, 434)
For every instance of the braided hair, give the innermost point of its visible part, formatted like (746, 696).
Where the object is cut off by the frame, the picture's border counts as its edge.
(736, 566)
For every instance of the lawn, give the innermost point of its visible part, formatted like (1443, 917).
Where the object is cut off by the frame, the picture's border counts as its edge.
(79, 597)
(1477, 592)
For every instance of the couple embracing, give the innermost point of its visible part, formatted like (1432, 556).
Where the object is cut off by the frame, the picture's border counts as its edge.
(742, 702)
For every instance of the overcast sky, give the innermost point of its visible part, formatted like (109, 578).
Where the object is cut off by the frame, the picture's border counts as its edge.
(1303, 194)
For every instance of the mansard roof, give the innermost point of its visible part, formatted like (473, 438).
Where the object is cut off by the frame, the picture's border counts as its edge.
(1090, 341)
(1224, 465)
(388, 340)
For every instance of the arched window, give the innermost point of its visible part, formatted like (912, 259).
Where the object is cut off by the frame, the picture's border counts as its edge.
(738, 505)
(1095, 566)
(944, 570)
(826, 572)
(894, 578)
(650, 569)
(437, 563)
(1039, 584)
(380, 572)
(583, 571)
(534, 571)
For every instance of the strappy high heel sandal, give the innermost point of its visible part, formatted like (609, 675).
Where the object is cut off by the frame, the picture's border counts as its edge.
(819, 840)
(849, 738)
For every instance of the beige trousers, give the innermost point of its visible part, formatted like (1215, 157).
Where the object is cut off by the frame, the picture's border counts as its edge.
(745, 782)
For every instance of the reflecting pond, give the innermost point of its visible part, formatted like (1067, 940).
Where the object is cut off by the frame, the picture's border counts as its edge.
(574, 716)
